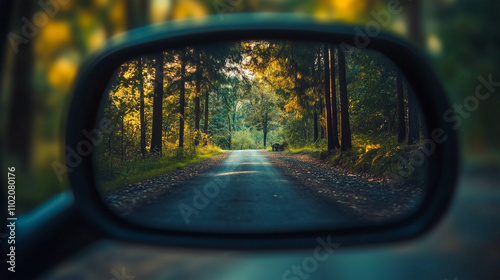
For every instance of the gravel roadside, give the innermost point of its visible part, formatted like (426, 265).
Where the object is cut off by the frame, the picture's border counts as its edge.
(367, 197)
(133, 196)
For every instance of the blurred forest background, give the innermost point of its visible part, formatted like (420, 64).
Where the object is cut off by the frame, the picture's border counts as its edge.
(460, 37)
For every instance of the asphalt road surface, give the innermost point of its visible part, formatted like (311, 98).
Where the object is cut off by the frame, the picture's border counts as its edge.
(245, 193)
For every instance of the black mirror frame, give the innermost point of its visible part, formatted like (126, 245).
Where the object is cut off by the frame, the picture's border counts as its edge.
(94, 76)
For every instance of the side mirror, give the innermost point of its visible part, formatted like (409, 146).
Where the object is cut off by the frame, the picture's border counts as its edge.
(137, 108)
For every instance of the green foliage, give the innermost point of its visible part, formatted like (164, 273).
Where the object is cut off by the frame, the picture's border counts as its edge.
(298, 131)
(380, 156)
(372, 91)
(242, 140)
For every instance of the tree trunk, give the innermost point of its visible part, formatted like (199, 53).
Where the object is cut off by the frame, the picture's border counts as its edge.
(413, 123)
(156, 139)
(345, 128)
(320, 103)
(265, 138)
(412, 9)
(322, 127)
(182, 99)
(197, 110)
(110, 136)
(265, 130)
(334, 99)
(400, 109)
(122, 151)
(141, 113)
(137, 13)
(306, 132)
(206, 61)
(315, 123)
(328, 107)
(205, 127)
(22, 107)
(230, 132)
(234, 118)
(315, 104)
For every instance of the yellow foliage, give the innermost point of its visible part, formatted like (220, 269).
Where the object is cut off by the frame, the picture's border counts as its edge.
(62, 73)
(86, 19)
(371, 147)
(96, 39)
(44, 149)
(117, 17)
(52, 37)
(66, 5)
(189, 8)
(293, 106)
(434, 44)
(101, 3)
(159, 10)
(351, 11)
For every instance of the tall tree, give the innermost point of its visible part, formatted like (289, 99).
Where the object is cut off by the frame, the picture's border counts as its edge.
(20, 131)
(334, 98)
(265, 127)
(122, 145)
(328, 99)
(197, 110)
(182, 101)
(137, 13)
(209, 72)
(413, 122)
(205, 125)
(413, 11)
(140, 84)
(400, 109)
(315, 104)
(156, 140)
(315, 123)
(321, 107)
(345, 128)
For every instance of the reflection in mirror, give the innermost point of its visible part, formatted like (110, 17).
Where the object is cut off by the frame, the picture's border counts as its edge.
(261, 136)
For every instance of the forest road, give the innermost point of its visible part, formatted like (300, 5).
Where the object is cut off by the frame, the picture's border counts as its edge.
(244, 193)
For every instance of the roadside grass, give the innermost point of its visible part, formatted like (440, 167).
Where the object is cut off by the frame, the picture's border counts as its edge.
(379, 156)
(305, 149)
(114, 175)
(376, 156)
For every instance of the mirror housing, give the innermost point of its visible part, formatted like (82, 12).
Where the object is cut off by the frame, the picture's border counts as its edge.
(94, 76)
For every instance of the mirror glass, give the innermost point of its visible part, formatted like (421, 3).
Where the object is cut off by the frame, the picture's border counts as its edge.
(260, 136)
